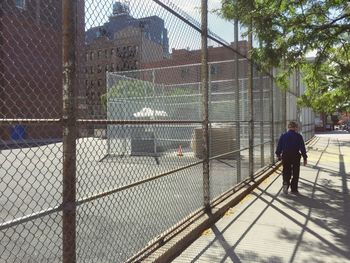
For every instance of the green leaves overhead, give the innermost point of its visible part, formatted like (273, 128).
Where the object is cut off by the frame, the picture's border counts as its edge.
(288, 30)
(328, 84)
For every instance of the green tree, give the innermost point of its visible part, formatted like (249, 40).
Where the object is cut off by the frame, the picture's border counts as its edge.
(288, 30)
(128, 88)
(328, 84)
(135, 88)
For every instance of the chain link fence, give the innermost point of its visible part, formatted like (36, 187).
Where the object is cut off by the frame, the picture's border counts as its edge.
(103, 152)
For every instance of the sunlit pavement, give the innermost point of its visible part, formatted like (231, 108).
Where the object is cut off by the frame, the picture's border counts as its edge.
(269, 226)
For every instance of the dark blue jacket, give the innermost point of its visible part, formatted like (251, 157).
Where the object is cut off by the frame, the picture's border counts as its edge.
(291, 143)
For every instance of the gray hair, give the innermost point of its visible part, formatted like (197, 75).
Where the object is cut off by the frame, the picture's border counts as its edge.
(292, 125)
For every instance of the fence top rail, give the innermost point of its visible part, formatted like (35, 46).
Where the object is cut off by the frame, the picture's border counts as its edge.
(124, 77)
(212, 81)
(176, 66)
(25, 120)
(137, 122)
(119, 99)
(119, 121)
(115, 75)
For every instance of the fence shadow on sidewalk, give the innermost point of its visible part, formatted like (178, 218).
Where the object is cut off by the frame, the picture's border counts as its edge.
(321, 212)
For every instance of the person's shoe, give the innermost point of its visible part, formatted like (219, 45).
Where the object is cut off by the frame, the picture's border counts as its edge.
(285, 189)
(295, 192)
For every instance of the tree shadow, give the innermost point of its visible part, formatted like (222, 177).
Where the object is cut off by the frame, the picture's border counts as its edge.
(329, 209)
(325, 204)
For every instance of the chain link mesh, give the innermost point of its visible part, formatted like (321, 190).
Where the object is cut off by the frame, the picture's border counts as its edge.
(139, 108)
(30, 157)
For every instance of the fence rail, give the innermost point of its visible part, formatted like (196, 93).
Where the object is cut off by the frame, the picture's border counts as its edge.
(120, 121)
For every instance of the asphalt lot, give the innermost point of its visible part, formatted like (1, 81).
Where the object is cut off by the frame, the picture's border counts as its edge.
(113, 227)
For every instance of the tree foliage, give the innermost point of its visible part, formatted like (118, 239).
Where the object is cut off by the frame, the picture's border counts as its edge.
(128, 88)
(328, 84)
(288, 30)
(135, 88)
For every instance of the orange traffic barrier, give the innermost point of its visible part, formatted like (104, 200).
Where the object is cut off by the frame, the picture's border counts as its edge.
(179, 151)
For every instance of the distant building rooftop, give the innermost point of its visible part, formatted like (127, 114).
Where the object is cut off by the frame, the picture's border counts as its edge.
(152, 26)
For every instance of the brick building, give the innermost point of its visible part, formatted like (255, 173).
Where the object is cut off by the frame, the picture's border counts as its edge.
(123, 43)
(31, 64)
(182, 65)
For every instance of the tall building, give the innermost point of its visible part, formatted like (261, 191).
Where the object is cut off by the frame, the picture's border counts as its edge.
(31, 65)
(123, 43)
(152, 27)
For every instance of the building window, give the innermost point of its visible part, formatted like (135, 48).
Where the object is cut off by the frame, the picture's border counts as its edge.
(112, 52)
(119, 52)
(20, 4)
(184, 72)
(214, 69)
(106, 53)
(99, 69)
(91, 55)
(99, 82)
(215, 87)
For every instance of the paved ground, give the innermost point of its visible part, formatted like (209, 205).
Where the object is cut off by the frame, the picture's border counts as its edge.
(269, 226)
(114, 227)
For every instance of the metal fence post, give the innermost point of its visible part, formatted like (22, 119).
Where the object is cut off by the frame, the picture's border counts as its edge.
(284, 110)
(2, 68)
(262, 152)
(272, 127)
(238, 117)
(108, 113)
(154, 111)
(250, 105)
(299, 111)
(69, 130)
(210, 108)
(205, 99)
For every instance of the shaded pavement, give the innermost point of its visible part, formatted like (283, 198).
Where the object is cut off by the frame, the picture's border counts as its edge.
(269, 226)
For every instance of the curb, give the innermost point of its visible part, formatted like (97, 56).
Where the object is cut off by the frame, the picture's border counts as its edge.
(174, 243)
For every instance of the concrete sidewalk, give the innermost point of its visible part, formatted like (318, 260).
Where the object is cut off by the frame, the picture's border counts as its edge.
(269, 226)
